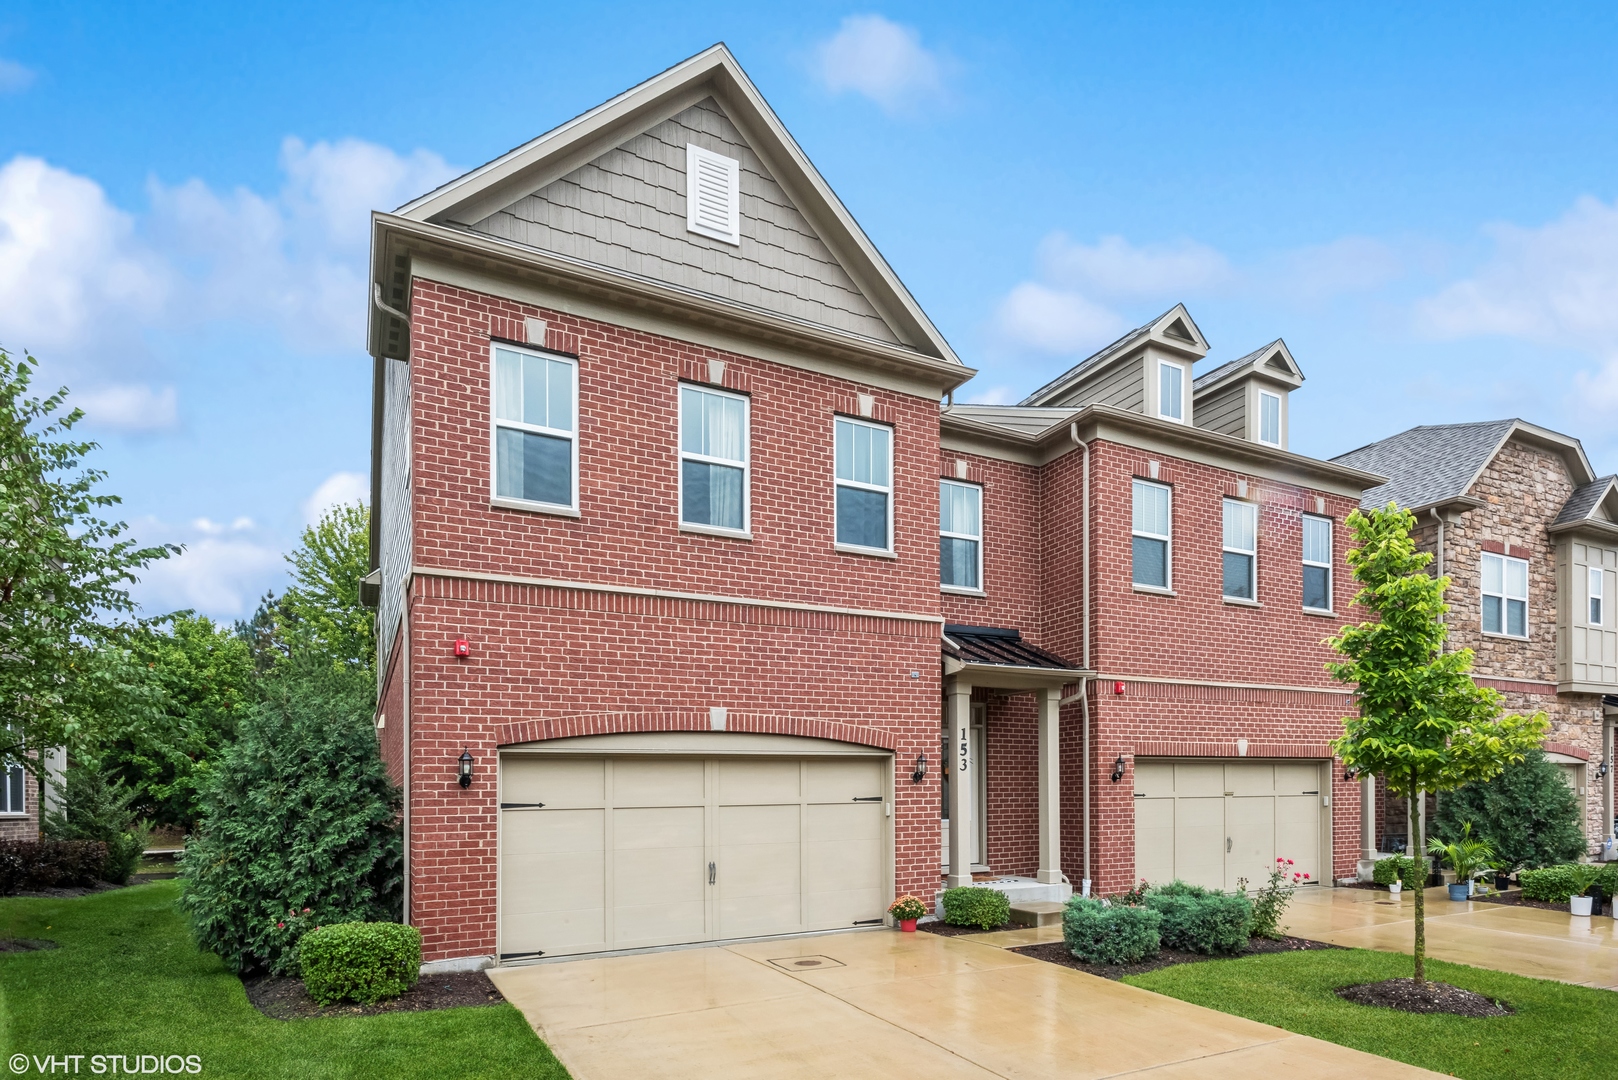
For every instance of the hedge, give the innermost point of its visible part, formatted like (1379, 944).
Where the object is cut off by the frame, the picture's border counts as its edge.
(1101, 933)
(26, 865)
(987, 909)
(1202, 920)
(1400, 867)
(363, 962)
(1554, 884)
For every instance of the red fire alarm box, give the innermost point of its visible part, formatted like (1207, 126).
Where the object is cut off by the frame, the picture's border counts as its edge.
(463, 647)
(1117, 687)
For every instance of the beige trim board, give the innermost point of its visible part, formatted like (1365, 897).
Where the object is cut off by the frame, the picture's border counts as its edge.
(666, 594)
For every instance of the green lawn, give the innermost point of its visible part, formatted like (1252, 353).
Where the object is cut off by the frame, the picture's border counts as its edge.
(128, 980)
(1560, 1032)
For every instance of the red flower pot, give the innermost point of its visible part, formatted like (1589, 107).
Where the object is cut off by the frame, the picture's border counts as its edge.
(907, 925)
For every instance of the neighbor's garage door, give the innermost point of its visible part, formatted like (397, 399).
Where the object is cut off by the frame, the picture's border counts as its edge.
(1212, 822)
(626, 852)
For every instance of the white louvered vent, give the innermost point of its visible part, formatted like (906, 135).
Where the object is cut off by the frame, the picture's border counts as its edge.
(712, 194)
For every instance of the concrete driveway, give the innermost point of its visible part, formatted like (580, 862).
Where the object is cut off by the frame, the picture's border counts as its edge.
(881, 1003)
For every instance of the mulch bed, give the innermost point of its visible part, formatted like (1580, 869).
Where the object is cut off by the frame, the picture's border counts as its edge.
(1056, 952)
(23, 944)
(944, 929)
(282, 998)
(1433, 997)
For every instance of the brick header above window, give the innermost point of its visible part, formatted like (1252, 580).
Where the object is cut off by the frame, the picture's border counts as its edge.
(855, 405)
(1497, 548)
(515, 331)
(711, 372)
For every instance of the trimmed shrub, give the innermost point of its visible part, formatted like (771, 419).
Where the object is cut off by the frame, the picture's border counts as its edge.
(1528, 815)
(969, 906)
(26, 865)
(1555, 884)
(363, 962)
(1396, 868)
(1201, 920)
(93, 809)
(1101, 933)
(300, 813)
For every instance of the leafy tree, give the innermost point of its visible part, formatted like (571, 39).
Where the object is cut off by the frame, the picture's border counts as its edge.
(64, 572)
(1528, 814)
(321, 613)
(300, 813)
(262, 634)
(1423, 723)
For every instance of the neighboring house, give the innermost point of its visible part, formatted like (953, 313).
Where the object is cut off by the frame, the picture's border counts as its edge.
(1517, 518)
(679, 566)
(19, 803)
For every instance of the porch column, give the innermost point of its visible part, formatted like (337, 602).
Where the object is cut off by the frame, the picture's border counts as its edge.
(1050, 786)
(1367, 863)
(962, 782)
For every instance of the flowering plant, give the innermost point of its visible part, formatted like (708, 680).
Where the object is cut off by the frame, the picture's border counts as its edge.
(1134, 897)
(289, 930)
(907, 907)
(1271, 901)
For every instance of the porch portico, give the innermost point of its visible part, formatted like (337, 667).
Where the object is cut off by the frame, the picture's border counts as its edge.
(978, 657)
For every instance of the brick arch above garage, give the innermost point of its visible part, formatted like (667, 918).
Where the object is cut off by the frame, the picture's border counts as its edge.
(600, 723)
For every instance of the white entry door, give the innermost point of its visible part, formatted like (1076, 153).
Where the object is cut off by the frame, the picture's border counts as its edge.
(1214, 822)
(600, 853)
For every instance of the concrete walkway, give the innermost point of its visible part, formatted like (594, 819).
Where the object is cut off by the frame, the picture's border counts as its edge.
(885, 1004)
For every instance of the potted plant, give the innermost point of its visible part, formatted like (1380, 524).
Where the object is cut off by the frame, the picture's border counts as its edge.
(1580, 877)
(1395, 887)
(1502, 875)
(1466, 857)
(906, 910)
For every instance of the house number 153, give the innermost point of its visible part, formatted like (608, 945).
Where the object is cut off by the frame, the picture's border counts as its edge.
(964, 745)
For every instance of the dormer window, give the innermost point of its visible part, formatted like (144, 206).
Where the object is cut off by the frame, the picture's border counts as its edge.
(712, 194)
(1171, 391)
(1269, 418)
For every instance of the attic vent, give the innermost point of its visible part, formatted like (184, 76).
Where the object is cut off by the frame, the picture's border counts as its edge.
(1278, 363)
(712, 195)
(1176, 329)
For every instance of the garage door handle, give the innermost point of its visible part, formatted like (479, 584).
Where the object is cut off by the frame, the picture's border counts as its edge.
(867, 798)
(1227, 845)
(521, 805)
(713, 873)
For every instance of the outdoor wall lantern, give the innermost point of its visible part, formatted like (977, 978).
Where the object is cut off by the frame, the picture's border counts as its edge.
(466, 768)
(1601, 770)
(1350, 773)
(921, 769)
(1118, 769)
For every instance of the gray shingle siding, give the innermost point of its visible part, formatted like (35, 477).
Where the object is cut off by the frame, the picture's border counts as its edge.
(1122, 386)
(394, 524)
(626, 210)
(1224, 410)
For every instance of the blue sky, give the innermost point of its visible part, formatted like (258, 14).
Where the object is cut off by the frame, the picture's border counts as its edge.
(1422, 203)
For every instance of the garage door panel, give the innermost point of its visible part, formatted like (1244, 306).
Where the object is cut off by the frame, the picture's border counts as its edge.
(658, 827)
(1297, 833)
(1155, 780)
(1199, 841)
(1297, 779)
(658, 782)
(1250, 823)
(845, 779)
(1154, 839)
(556, 782)
(838, 822)
(759, 782)
(528, 831)
(1250, 779)
(554, 882)
(1199, 781)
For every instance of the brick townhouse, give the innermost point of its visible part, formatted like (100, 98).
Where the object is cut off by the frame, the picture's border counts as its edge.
(692, 593)
(1528, 533)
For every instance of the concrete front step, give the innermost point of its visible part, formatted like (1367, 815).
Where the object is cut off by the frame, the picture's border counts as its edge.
(1037, 913)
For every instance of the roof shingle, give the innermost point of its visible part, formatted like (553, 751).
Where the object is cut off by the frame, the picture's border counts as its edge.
(1428, 464)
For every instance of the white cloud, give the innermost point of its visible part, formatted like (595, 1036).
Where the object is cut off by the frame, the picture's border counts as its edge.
(1349, 264)
(129, 407)
(882, 60)
(1056, 321)
(1596, 394)
(14, 77)
(1114, 267)
(335, 490)
(221, 573)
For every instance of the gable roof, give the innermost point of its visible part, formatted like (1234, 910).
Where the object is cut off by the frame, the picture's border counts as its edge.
(1438, 463)
(1174, 329)
(1596, 501)
(1273, 361)
(713, 73)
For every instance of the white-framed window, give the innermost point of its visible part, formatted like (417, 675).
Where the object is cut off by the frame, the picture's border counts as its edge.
(533, 428)
(1151, 538)
(1171, 391)
(13, 788)
(1241, 550)
(1269, 418)
(1597, 595)
(712, 194)
(715, 480)
(960, 536)
(864, 483)
(1316, 563)
(1505, 595)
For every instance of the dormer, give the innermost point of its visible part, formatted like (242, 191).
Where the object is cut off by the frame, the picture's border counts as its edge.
(1148, 370)
(1247, 397)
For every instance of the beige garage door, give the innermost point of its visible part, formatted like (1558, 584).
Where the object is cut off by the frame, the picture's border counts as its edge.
(1212, 822)
(604, 853)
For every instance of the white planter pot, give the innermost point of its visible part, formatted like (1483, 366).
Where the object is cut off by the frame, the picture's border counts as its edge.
(1395, 888)
(1581, 904)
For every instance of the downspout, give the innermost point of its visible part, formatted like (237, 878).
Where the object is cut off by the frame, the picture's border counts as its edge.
(404, 735)
(1084, 662)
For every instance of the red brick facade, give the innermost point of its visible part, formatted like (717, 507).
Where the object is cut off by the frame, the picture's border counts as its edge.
(23, 826)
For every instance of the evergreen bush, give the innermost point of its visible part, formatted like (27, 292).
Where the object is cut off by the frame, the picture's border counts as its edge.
(1201, 920)
(363, 962)
(1528, 814)
(300, 813)
(970, 906)
(1101, 933)
(93, 809)
(1401, 868)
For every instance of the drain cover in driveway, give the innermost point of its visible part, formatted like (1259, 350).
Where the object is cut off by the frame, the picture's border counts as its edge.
(806, 963)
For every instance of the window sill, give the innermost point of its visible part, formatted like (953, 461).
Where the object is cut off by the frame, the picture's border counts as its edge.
(876, 553)
(716, 530)
(957, 590)
(1323, 613)
(535, 508)
(23, 814)
(1505, 637)
(1237, 601)
(1152, 590)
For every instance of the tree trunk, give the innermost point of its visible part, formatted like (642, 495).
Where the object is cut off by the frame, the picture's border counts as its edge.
(1421, 886)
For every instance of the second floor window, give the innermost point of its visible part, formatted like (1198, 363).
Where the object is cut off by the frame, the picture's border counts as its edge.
(864, 484)
(960, 535)
(13, 789)
(1597, 591)
(1241, 550)
(1150, 537)
(1170, 391)
(535, 452)
(1269, 418)
(1505, 595)
(713, 459)
(1317, 563)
